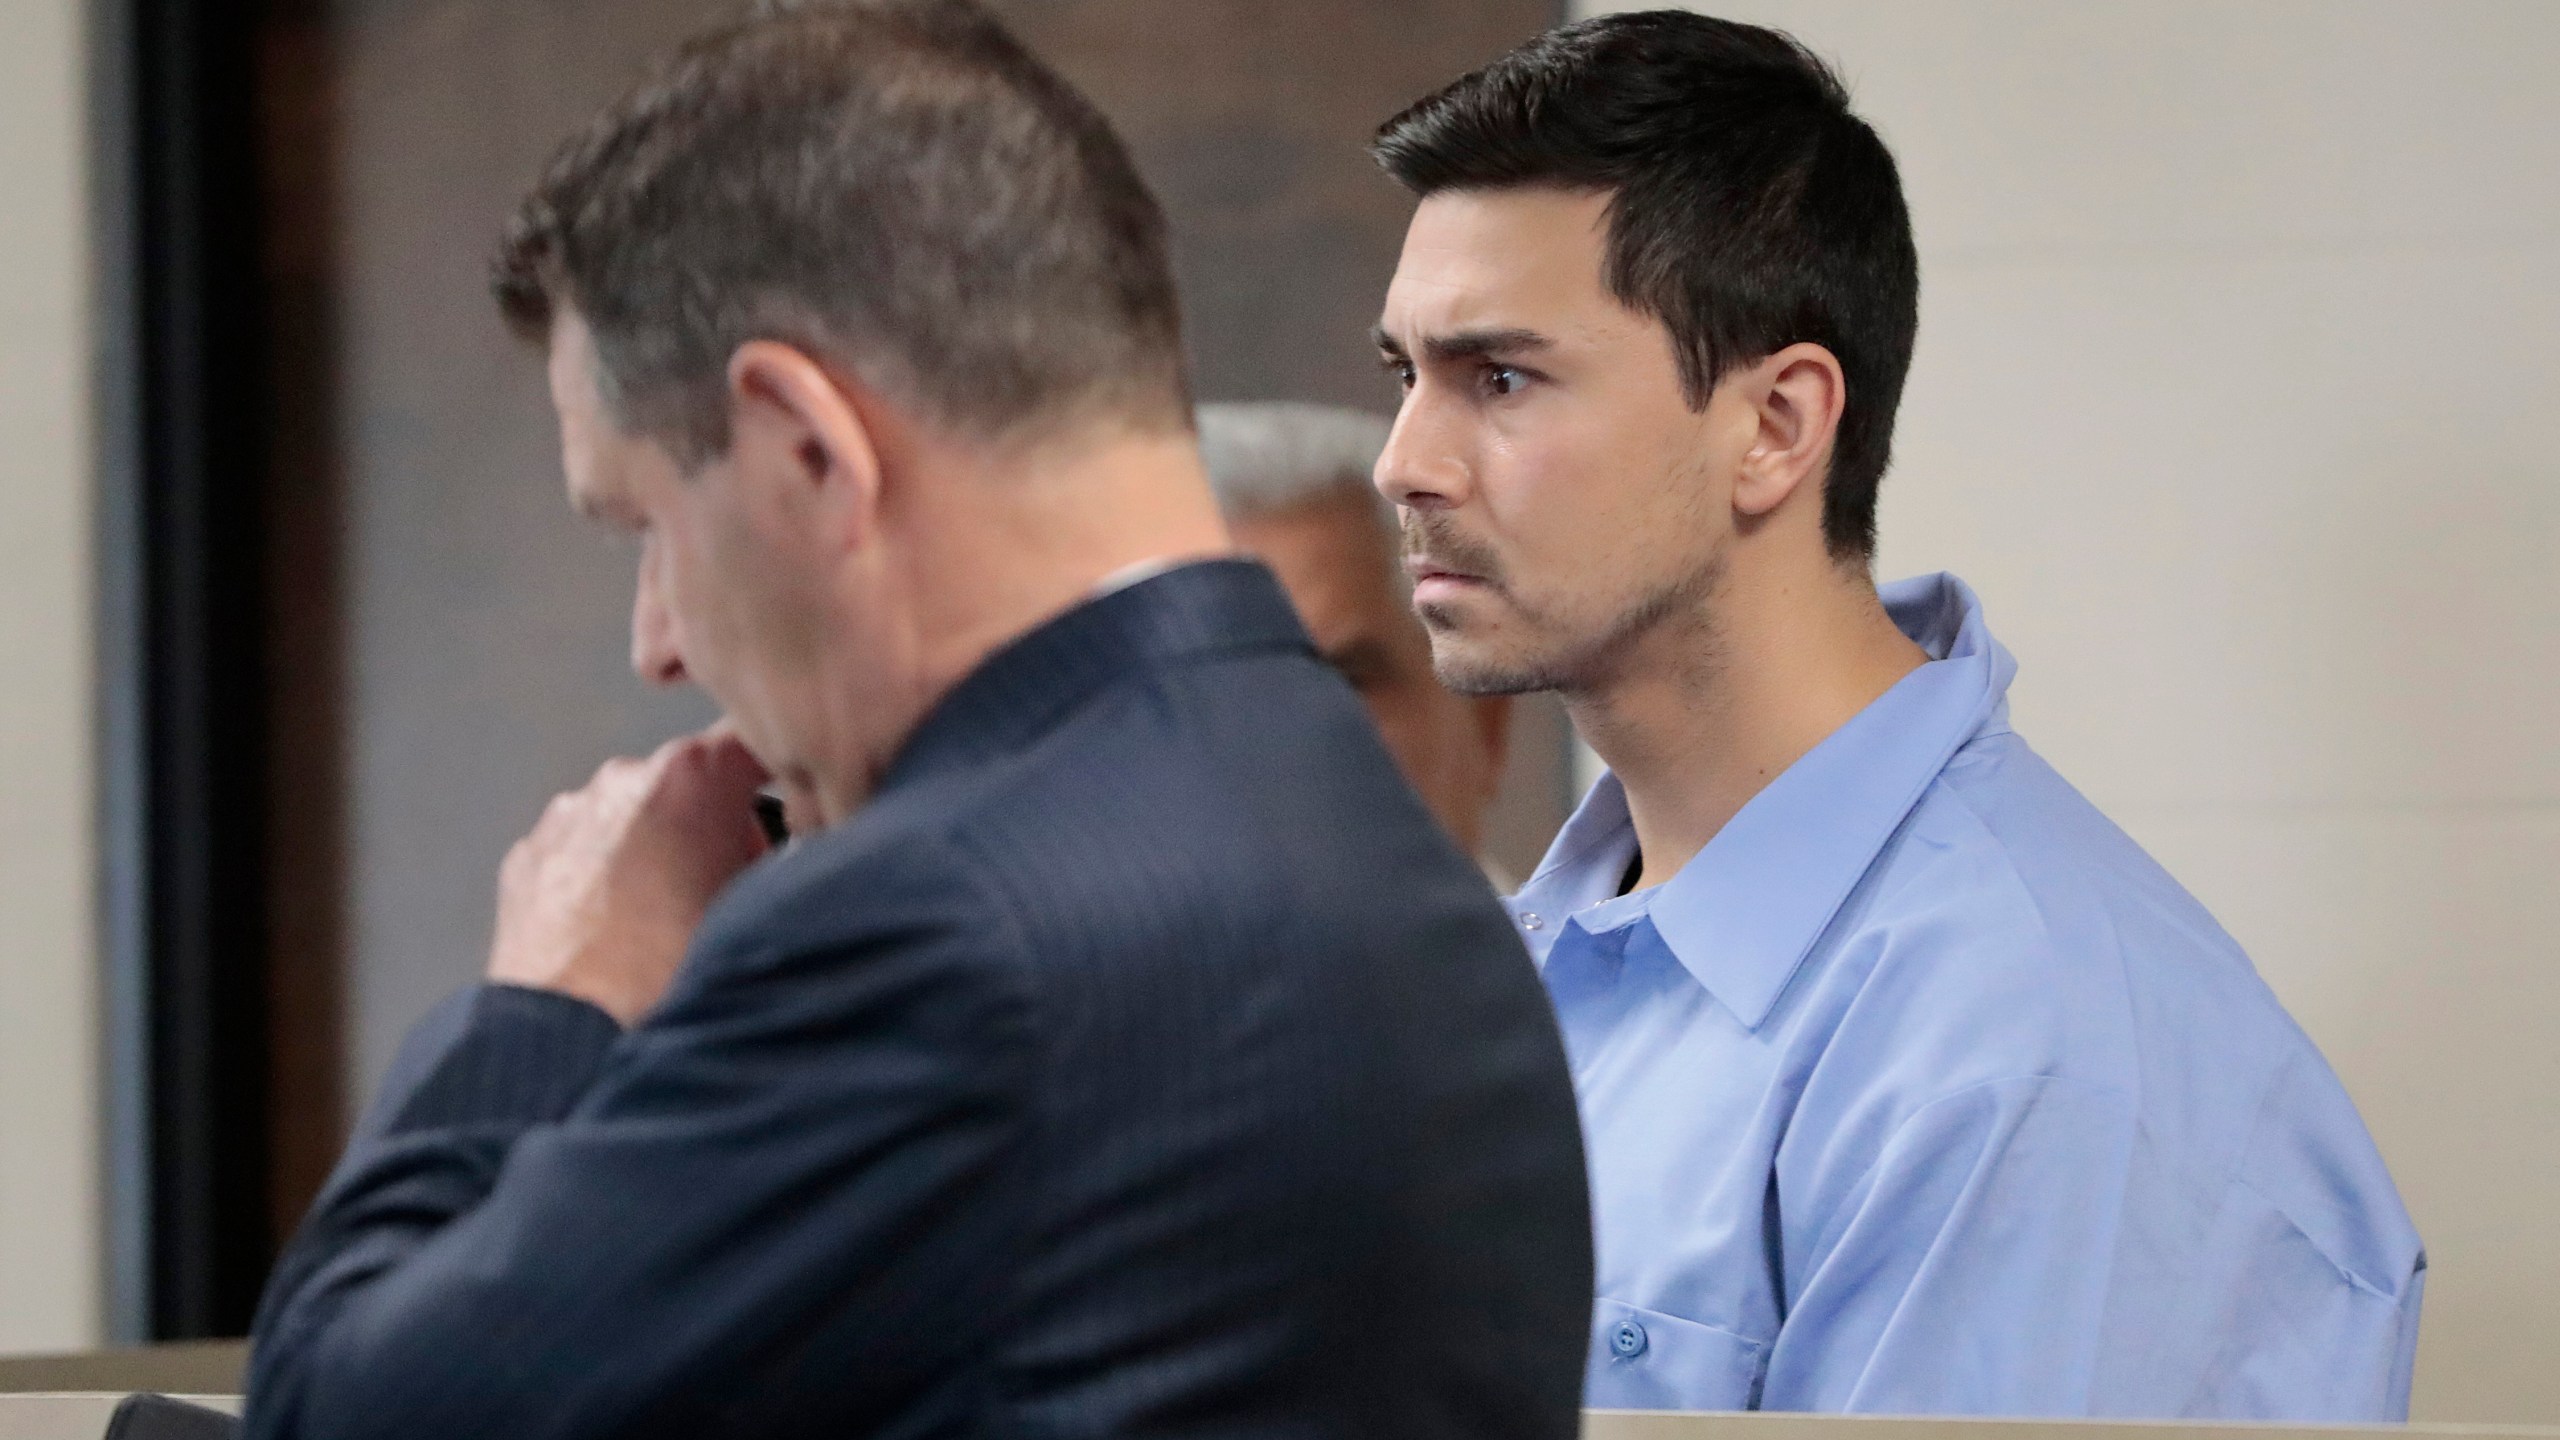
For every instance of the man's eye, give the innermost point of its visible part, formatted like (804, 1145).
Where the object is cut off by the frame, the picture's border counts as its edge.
(1503, 380)
(1401, 369)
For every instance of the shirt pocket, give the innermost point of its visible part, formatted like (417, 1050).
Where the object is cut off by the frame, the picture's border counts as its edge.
(1645, 1360)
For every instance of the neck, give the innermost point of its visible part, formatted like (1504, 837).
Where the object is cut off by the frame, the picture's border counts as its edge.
(995, 544)
(1700, 714)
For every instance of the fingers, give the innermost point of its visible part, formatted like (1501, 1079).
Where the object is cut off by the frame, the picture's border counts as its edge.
(733, 765)
(703, 779)
(601, 898)
(702, 784)
(516, 871)
(715, 754)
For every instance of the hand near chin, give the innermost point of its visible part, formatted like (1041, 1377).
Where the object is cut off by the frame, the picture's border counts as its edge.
(600, 901)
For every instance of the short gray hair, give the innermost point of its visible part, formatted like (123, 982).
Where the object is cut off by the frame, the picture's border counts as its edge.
(1274, 455)
(894, 186)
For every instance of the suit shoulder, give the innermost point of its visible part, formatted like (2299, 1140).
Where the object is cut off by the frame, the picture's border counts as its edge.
(1184, 787)
(881, 881)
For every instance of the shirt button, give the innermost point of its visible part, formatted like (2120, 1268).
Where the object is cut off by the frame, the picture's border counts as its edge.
(1628, 1340)
(1533, 921)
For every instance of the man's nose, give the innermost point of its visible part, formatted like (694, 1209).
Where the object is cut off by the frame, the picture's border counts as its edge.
(1421, 467)
(655, 656)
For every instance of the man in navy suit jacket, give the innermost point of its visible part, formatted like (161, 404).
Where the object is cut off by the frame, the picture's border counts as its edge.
(1123, 1051)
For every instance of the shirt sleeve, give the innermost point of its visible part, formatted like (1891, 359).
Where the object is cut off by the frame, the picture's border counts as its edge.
(1967, 1270)
(800, 1138)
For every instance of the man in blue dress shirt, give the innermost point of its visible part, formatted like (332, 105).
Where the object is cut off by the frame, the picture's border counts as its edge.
(1909, 1082)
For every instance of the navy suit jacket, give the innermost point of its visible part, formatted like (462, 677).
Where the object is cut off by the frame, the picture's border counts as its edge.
(1141, 1061)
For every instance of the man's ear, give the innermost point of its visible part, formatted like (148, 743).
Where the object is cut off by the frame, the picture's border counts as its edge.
(1798, 394)
(810, 433)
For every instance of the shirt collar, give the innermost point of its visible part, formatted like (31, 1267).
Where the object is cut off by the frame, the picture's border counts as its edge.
(1138, 573)
(1742, 915)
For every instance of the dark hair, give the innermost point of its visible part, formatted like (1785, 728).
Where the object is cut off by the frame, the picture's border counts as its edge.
(1749, 210)
(895, 186)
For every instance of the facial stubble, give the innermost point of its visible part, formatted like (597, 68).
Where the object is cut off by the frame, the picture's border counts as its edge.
(1571, 665)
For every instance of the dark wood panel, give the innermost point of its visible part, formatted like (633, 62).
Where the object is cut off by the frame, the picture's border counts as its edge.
(1251, 121)
(304, 522)
(184, 664)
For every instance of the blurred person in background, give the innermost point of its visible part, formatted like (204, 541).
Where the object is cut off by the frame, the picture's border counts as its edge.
(1128, 1053)
(1911, 1084)
(1293, 481)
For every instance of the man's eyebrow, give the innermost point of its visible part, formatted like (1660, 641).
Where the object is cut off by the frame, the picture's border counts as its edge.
(1471, 344)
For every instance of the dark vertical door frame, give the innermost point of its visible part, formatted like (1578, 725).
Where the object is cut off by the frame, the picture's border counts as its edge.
(182, 466)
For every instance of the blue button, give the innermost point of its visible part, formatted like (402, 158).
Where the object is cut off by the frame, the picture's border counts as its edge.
(1628, 1339)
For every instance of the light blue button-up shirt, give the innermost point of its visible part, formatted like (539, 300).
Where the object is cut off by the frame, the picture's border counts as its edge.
(1923, 1089)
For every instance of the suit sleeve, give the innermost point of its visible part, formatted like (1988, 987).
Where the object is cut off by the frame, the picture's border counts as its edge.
(1966, 1270)
(551, 1230)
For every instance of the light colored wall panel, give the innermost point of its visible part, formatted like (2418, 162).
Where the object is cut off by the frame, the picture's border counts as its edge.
(2260, 527)
(2116, 125)
(2240, 336)
(48, 1051)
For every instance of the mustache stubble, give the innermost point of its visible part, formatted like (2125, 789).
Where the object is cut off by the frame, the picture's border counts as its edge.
(1432, 536)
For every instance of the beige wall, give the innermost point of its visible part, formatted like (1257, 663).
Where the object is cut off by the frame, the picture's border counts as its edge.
(2238, 398)
(48, 1052)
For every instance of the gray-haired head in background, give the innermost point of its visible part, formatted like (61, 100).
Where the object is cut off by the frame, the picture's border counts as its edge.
(1293, 482)
(1267, 456)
